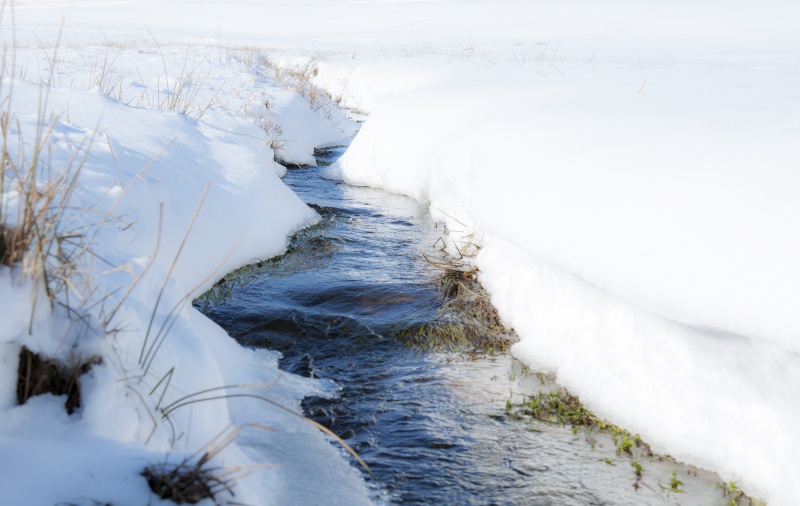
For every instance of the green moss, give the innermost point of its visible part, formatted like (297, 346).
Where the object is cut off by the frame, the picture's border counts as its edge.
(625, 445)
(637, 468)
(737, 497)
(559, 406)
(675, 484)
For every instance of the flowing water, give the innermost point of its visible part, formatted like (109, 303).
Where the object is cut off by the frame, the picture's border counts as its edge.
(433, 427)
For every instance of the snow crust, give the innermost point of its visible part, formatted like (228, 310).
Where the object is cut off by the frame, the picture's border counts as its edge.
(628, 167)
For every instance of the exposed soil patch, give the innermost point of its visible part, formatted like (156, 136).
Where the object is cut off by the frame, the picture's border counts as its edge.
(37, 376)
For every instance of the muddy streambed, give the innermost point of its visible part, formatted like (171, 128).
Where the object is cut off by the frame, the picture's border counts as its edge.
(433, 426)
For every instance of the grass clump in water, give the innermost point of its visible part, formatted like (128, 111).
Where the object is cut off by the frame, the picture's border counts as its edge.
(559, 406)
(675, 483)
(735, 496)
(466, 319)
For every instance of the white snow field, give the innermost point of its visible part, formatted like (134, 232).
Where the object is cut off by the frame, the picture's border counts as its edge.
(630, 170)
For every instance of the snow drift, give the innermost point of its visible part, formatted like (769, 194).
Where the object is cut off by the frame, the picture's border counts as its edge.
(167, 200)
(635, 218)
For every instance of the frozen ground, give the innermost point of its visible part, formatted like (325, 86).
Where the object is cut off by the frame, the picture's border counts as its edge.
(629, 168)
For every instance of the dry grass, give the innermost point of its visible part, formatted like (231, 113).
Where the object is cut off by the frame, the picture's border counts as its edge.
(102, 77)
(43, 236)
(186, 482)
(181, 93)
(40, 232)
(466, 319)
(46, 238)
(37, 376)
(299, 78)
(6, 236)
(194, 478)
(40, 241)
(211, 395)
(269, 123)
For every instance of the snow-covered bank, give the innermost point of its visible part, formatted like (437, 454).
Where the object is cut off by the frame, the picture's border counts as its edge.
(667, 197)
(176, 187)
(636, 217)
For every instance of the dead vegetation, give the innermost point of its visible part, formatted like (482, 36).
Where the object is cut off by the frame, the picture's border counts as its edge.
(194, 478)
(47, 239)
(187, 482)
(466, 319)
(37, 376)
(299, 78)
(6, 237)
(271, 127)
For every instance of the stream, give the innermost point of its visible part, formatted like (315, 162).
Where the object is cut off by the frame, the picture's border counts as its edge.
(432, 426)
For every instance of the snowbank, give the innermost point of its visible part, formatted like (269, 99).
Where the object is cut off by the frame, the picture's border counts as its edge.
(168, 202)
(635, 217)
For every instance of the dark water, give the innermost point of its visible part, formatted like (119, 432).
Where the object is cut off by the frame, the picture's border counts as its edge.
(432, 426)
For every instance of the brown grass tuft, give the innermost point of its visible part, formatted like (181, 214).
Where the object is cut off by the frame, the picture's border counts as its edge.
(6, 235)
(37, 375)
(466, 320)
(186, 483)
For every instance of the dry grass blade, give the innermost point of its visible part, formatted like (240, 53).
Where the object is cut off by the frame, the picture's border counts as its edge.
(299, 78)
(42, 241)
(172, 316)
(194, 479)
(319, 426)
(142, 356)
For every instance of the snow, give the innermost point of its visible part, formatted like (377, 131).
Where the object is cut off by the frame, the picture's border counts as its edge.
(629, 169)
(662, 188)
(635, 225)
(634, 217)
(171, 202)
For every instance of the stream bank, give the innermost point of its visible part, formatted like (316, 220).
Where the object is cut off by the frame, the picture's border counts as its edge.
(434, 427)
